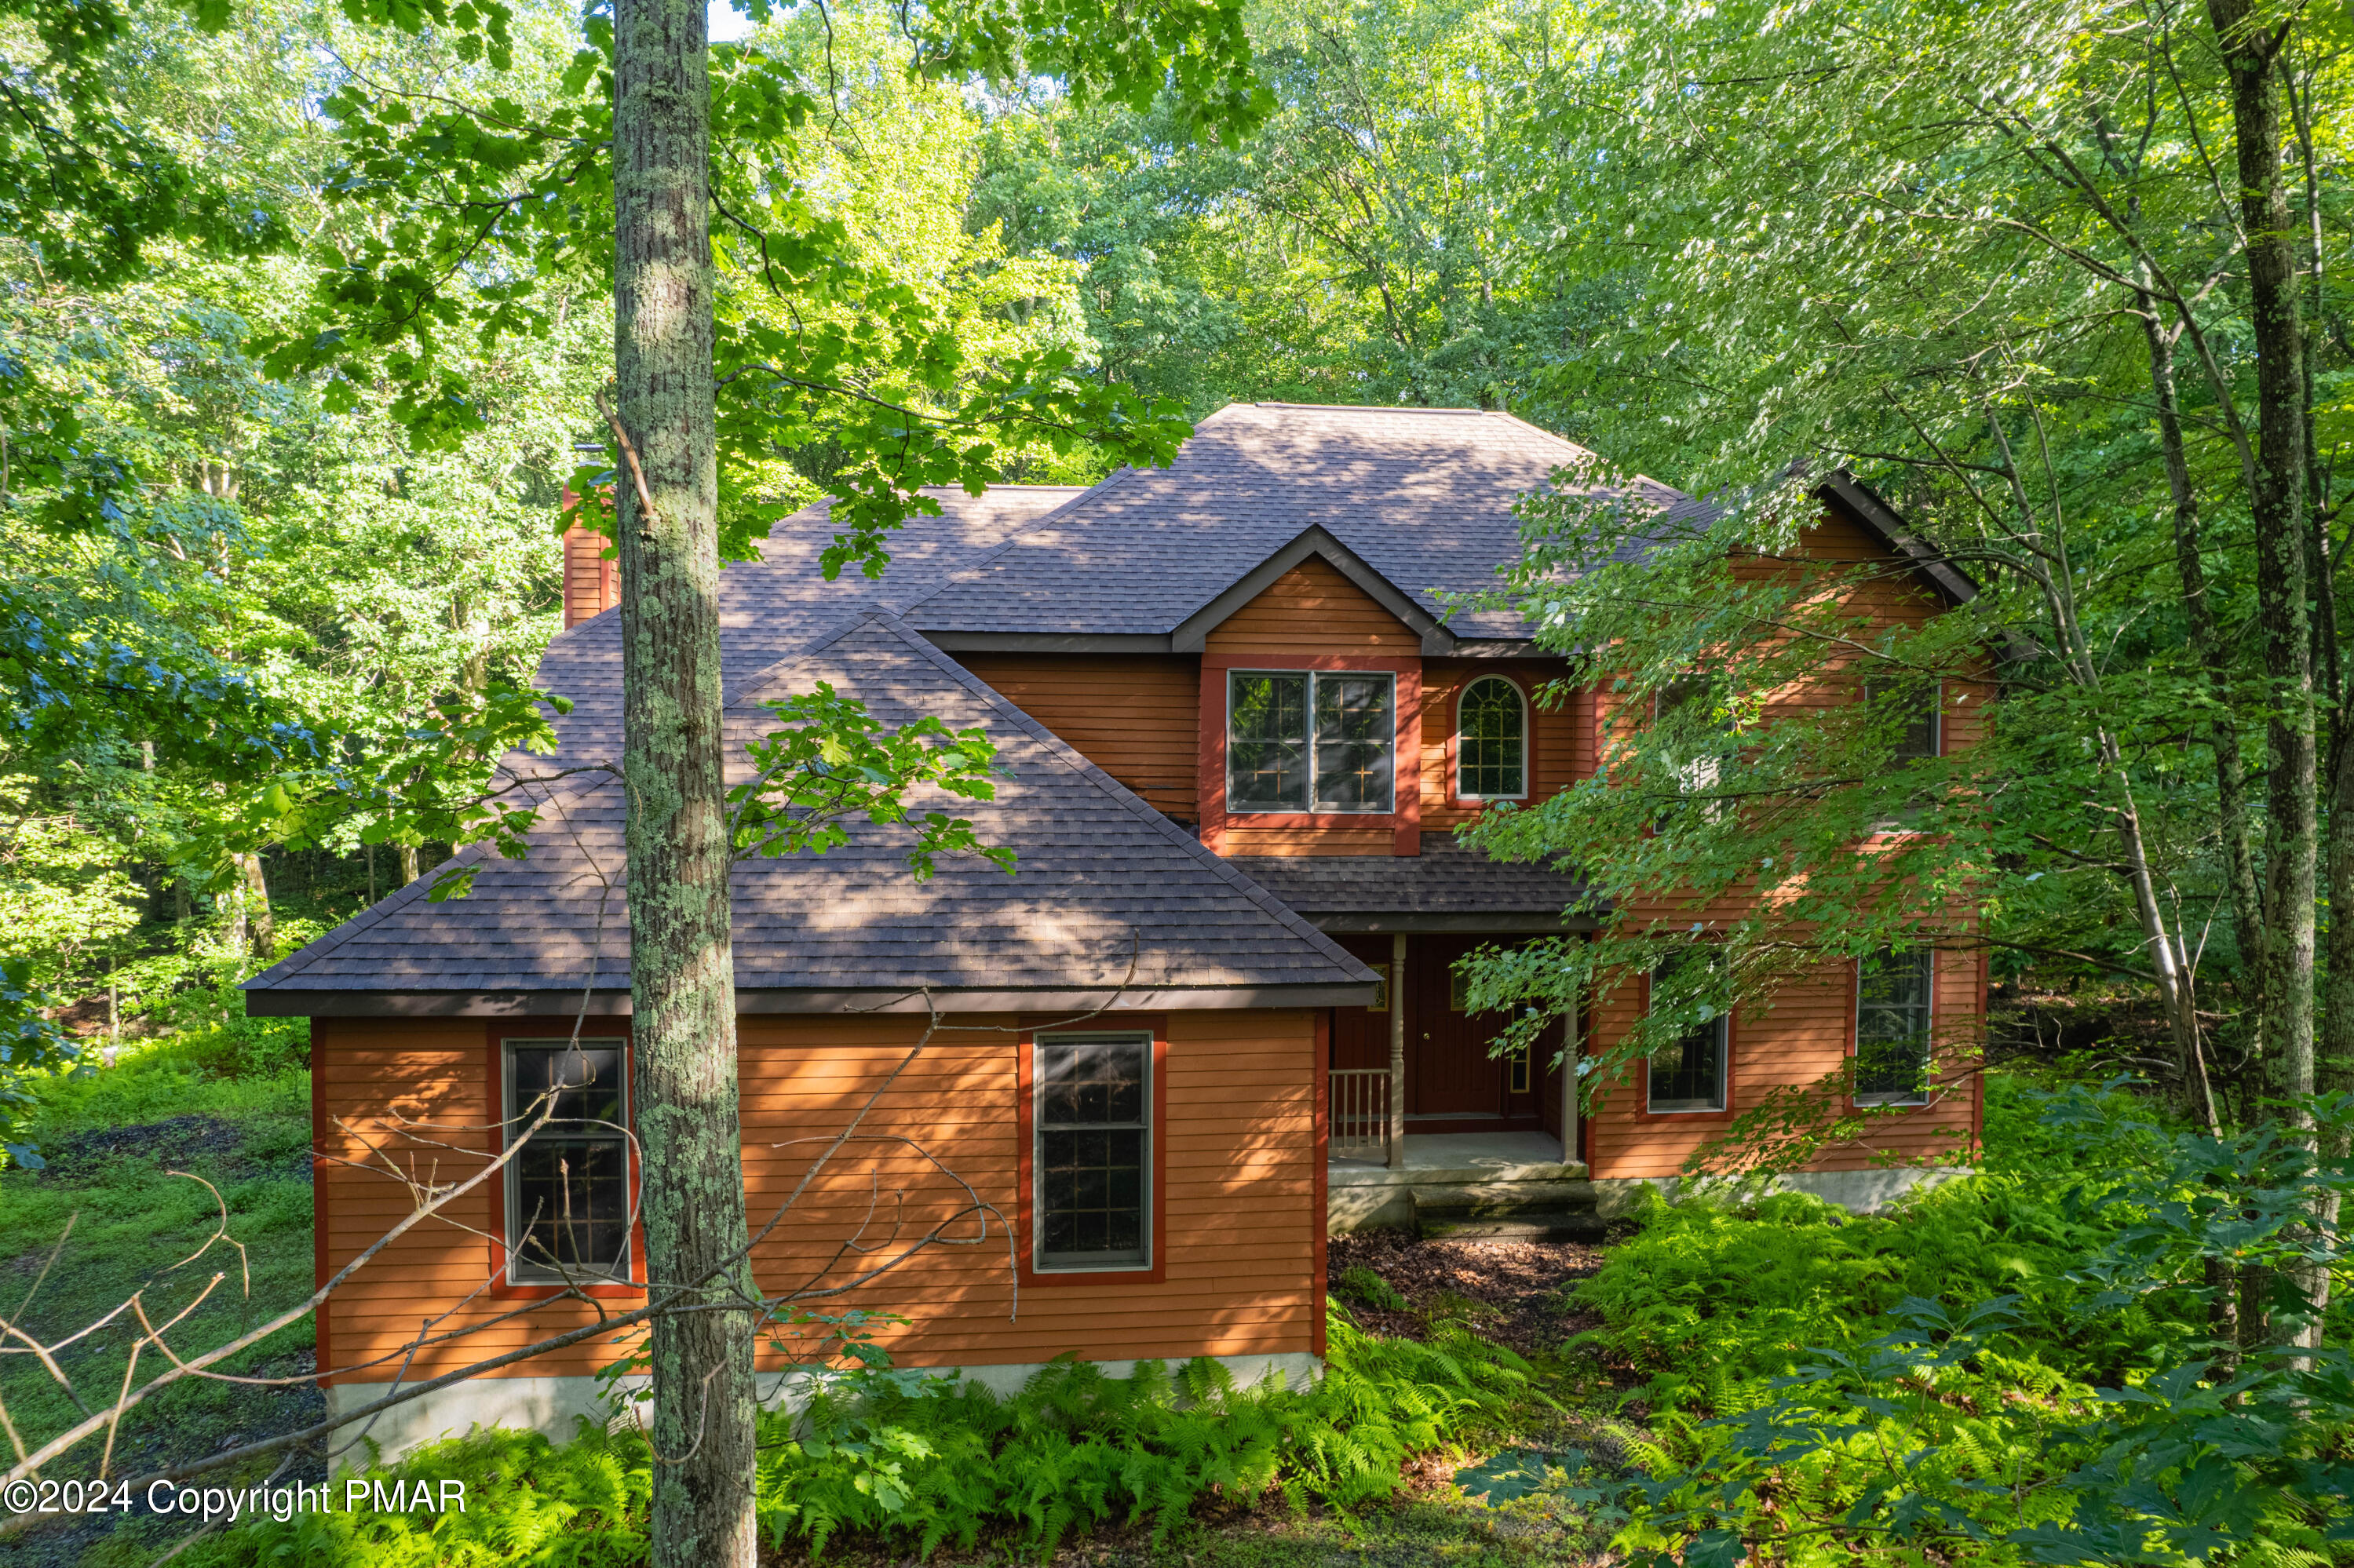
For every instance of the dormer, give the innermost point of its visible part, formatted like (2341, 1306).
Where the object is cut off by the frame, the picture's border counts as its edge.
(1311, 707)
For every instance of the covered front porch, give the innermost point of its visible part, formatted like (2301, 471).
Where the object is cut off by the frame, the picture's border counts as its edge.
(1427, 1125)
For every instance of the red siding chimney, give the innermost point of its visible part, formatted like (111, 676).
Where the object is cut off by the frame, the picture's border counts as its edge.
(593, 581)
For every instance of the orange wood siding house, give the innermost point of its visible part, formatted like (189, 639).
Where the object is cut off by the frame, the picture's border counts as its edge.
(1210, 1020)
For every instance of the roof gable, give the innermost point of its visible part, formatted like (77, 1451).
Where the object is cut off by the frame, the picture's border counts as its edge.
(1313, 567)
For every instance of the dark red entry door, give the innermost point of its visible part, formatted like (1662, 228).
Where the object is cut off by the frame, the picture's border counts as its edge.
(1447, 1047)
(1448, 1052)
(1450, 1077)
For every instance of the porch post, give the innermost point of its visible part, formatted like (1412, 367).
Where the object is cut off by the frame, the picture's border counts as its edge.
(1397, 1050)
(1569, 1047)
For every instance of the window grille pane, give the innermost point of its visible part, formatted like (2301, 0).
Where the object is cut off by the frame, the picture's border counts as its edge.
(572, 1202)
(1491, 742)
(1094, 1139)
(569, 1186)
(587, 1083)
(1355, 740)
(1891, 1029)
(1917, 705)
(1267, 743)
(1091, 1083)
(1093, 1185)
(1689, 1075)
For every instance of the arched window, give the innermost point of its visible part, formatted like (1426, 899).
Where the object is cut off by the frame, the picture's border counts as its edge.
(1492, 756)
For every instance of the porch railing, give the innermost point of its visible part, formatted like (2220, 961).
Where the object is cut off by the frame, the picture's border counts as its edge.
(1360, 1114)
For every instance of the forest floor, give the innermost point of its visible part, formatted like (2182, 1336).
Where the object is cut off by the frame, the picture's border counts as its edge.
(144, 1164)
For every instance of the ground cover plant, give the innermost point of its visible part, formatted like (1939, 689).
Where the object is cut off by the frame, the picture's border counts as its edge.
(2020, 1366)
(919, 1463)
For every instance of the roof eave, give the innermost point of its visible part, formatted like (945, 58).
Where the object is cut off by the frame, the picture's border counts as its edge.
(288, 1002)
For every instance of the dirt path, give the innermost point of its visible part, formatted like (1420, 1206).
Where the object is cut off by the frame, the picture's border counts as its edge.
(1510, 1292)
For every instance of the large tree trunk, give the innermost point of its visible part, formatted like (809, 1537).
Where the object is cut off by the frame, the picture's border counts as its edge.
(257, 903)
(681, 975)
(2251, 51)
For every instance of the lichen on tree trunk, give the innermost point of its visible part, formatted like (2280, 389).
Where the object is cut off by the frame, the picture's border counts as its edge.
(682, 974)
(2251, 43)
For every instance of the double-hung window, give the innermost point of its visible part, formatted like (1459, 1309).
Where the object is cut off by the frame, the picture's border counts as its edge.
(1300, 740)
(1689, 1073)
(1092, 1157)
(1915, 708)
(1891, 1029)
(568, 1187)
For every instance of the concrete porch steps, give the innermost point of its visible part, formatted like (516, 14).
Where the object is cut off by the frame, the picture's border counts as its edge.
(1520, 1208)
(1508, 1186)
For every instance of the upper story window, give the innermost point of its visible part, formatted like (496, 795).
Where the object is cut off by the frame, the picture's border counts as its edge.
(568, 1188)
(1891, 1029)
(1918, 708)
(1299, 740)
(1491, 742)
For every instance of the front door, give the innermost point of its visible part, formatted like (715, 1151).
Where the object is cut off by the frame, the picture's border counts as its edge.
(1453, 1074)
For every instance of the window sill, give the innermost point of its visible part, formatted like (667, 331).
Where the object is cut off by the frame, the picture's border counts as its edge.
(544, 1290)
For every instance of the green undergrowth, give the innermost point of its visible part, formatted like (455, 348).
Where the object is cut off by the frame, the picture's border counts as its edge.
(104, 1217)
(917, 1463)
(1704, 1299)
(2011, 1368)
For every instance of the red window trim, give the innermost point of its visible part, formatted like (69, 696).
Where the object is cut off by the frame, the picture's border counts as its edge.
(1855, 1040)
(1027, 1273)
(1404, 822)
(1455, 796)
(496, 1035)
(1643, 1111)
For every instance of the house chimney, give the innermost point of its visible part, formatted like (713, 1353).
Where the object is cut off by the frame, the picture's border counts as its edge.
(593, 581)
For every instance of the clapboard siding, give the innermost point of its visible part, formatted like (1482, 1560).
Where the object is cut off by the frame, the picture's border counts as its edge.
(1560, 737)
(1132, 716)
(1807, 1034)
(1238, 1139)
(1802, 1041)
(1312, 610)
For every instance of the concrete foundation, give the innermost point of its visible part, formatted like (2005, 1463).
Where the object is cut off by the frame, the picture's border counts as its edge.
(555, 1406)
(1862, 1191)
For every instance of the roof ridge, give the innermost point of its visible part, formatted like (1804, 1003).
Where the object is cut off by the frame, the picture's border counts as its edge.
(1071, 758)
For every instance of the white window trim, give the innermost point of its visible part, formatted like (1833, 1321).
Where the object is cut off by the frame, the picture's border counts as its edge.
(512, 1265)
(1038, 1264)
(1226, 785)
(1528, 738)
(1929, 1017)
(1723, 1024)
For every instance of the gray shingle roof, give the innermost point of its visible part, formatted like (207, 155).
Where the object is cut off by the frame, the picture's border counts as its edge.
(1447, 887)
(782, 603)
(1103, 880)
(1422, 495)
